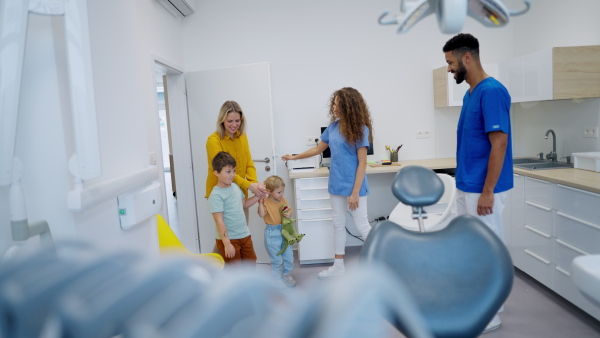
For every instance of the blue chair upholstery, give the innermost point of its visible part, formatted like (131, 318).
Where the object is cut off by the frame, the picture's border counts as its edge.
(459, 276)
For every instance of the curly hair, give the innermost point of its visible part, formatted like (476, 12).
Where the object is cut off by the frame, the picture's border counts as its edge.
(353, 114)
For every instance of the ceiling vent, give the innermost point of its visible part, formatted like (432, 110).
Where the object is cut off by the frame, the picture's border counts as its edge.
(179, 7)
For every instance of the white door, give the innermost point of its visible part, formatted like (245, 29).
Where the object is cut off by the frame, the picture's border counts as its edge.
(250, 86)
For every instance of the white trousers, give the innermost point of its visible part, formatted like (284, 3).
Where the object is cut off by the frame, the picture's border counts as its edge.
(466, 204)
(339, 206)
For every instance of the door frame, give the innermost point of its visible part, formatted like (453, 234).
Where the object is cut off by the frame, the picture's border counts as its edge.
(182, 154)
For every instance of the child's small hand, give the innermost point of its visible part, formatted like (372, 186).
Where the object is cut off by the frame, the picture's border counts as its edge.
(229, 250)
(288, 214)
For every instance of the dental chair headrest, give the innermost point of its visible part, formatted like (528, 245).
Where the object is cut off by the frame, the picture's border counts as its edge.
(417, 186)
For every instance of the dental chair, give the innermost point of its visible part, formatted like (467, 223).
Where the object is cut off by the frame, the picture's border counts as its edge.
(438, 214)
(459, 276)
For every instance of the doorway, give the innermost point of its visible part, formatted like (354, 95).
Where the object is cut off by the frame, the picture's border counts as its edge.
(169, 81)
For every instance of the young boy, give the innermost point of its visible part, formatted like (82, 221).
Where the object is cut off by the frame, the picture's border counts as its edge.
(268, 209)
(227, 203)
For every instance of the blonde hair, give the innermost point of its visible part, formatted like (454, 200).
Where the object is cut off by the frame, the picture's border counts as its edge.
(226, 108)
(273, 182)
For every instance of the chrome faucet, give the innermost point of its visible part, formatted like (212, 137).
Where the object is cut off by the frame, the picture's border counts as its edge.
(552, 155)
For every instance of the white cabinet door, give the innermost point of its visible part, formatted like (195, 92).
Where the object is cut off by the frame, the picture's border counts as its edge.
(510, 74)
(537, 76)
(250, 86)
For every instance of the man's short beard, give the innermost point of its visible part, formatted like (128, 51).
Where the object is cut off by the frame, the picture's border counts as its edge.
(461, 72)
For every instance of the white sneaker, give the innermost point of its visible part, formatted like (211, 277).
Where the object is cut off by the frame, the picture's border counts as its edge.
(333, 271)
(279, 284)
(288, 280)
(494, 324)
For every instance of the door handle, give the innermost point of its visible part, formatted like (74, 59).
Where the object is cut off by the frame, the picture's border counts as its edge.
(266, 160)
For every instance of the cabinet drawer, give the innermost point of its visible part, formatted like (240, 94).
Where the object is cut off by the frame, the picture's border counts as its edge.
(564, 253)
(579, 203)
(311, 193)
(316, 182)
(564, 286)
(539, 217)
(539, 192)
(313, 203)
(537, 267)
(317, 244)
(579, 233)
(538, 243)
(311, 214)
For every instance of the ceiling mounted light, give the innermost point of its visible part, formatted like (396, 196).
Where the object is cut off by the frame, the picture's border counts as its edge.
(451, 14)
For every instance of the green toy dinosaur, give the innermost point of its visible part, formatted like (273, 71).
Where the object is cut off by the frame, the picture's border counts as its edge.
(290, 236)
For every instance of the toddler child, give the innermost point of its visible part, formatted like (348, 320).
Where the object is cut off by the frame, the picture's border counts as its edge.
(268, 209)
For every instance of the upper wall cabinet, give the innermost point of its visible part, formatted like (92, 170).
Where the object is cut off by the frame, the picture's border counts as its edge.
(446, 93)
(552, 74)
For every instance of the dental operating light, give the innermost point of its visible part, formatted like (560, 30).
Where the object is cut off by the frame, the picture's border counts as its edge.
(451, 14)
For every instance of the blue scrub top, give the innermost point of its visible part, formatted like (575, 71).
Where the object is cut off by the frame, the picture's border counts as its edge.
(344, 161)
(485, 109)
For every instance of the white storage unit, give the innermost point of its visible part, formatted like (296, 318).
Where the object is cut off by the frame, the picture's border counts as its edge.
(538, 229)
(313, 210)
(550, 225)
(577, 233)
(587, 161)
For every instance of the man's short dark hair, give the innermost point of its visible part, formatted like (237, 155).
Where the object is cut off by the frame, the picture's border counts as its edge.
(221, 160)
(462, 43)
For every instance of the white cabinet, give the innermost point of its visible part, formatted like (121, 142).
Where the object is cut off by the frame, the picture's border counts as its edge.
(577, 233)
(537, 230)
(550, 225)
(313, 210)
(553, 74)
(529, 77)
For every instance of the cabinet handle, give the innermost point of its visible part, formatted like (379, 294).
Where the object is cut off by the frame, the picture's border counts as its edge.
(538, 206)
(317, 220)
(571, 247)
(577, 190)
(592, 225)
(536, 231)
(563, 271)
(537, 257)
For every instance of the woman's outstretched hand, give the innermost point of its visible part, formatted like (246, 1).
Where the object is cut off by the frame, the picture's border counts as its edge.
(287, 157)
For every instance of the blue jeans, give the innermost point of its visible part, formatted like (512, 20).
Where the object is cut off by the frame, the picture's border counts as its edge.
(273, 244)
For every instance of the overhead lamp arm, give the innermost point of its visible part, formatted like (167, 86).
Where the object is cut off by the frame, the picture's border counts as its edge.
(523, 11)
(388, 21)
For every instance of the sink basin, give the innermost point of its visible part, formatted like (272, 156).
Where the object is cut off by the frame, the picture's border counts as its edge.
(545, 165)
(527, 160)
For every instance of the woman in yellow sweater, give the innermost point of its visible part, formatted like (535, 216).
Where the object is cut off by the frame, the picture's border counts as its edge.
(231, 137)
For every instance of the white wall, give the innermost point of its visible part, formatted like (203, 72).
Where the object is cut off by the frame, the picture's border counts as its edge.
(123, 36)
(316, 47)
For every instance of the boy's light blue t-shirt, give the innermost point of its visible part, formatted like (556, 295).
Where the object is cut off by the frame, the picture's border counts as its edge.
(229, 201)
(344, 161)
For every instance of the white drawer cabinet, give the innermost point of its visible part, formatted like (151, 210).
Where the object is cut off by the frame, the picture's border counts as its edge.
(540, 192)
(516, 221)
(551, 224)
(313, 210)
(581, 204)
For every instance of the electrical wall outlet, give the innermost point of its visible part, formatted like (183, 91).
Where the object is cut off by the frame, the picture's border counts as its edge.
(312, 140)
(423, 133)
(590, 131)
